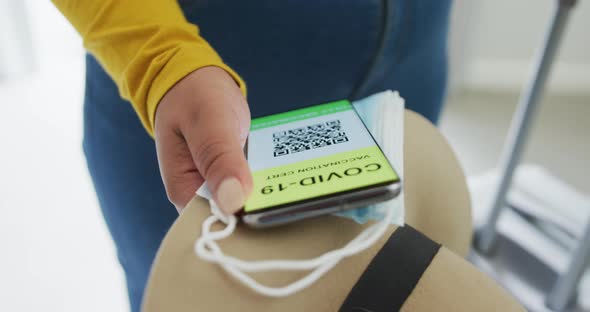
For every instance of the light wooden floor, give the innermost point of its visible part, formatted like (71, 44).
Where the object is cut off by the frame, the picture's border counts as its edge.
(476, 124)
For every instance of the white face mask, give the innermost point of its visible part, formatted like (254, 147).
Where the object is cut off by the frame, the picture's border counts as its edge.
(385, 104)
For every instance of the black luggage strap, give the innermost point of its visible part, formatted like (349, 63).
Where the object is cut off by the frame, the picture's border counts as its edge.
(393, 273)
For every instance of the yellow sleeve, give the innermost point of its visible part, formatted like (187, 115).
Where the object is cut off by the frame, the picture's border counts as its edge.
(146, 46)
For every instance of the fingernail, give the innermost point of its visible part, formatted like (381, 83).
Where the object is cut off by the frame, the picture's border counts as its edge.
(230, 195)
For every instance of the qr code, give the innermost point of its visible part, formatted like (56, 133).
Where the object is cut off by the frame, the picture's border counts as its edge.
(305, 138)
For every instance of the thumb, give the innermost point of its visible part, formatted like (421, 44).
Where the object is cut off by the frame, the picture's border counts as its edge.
(216, 145)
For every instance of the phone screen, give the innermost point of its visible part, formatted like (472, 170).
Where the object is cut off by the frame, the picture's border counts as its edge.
(312, 152)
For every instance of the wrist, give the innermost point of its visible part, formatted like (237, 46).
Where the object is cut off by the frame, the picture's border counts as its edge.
(176, 70)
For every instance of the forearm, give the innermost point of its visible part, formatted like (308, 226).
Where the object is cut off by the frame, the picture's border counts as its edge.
(146, 46)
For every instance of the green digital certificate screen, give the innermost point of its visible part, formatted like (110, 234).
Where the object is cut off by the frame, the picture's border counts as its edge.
(312, 152)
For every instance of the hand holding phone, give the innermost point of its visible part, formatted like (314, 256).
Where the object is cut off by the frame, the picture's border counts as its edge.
(203, 110)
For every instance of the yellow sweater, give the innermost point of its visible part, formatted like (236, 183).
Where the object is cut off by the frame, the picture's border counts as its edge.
(146, 46)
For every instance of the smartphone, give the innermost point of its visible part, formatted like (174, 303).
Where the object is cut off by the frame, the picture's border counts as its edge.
(314, 161)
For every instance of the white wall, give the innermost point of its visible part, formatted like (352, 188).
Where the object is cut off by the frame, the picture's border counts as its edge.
(493, 44)
(15, 42)
(57, 254)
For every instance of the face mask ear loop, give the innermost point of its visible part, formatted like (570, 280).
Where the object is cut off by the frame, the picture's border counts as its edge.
(206, 248)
